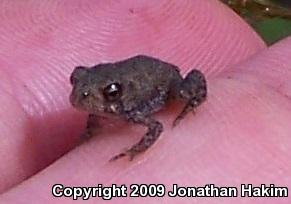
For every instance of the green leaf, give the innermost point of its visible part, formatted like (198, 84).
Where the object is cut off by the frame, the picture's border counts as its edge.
(273, 29)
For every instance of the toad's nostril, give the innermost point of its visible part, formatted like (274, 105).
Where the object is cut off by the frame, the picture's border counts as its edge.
(85, 94)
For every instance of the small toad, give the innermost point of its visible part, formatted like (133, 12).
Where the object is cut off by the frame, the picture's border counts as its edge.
(133, 89)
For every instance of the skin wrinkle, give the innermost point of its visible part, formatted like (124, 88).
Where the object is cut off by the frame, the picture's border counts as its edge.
(71, 168)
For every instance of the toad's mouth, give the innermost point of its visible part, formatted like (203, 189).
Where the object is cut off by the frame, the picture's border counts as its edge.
(92, 108)
(89, 107)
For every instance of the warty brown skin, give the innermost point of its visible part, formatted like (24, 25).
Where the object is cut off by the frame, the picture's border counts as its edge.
(133, 89)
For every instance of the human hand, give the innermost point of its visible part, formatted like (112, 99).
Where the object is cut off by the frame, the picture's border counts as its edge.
(240, 135)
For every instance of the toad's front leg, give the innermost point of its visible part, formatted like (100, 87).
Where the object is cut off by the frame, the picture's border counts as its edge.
(155, 128)
(92, 126)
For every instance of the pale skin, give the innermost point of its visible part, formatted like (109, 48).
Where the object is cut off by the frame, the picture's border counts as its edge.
(241, 134)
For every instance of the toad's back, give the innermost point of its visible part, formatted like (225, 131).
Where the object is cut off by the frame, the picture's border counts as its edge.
(149, 73)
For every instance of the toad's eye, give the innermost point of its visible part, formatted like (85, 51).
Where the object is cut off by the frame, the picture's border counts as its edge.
(112, 92)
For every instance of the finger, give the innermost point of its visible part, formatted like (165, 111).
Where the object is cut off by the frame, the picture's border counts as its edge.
(41, 42)
(240, 135)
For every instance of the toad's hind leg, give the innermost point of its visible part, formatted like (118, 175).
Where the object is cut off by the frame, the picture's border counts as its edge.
(193, 90)
(154, 130)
